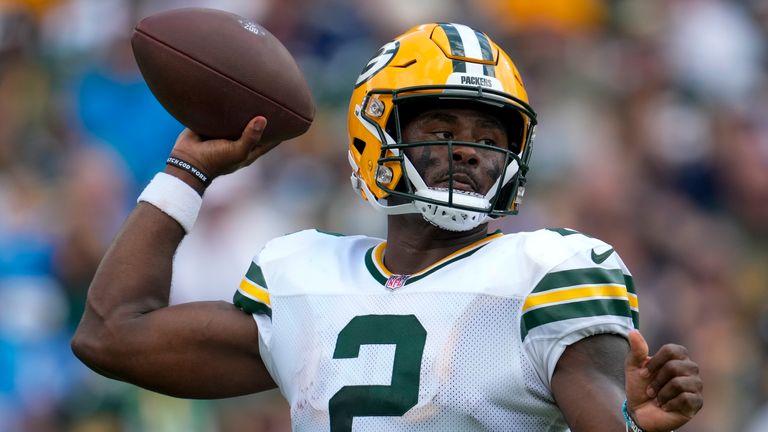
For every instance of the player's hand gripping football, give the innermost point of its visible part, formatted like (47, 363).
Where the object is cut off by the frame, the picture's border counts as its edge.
(220, 156)
(663, 391)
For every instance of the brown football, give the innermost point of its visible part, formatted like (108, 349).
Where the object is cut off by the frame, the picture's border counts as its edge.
(214, 71)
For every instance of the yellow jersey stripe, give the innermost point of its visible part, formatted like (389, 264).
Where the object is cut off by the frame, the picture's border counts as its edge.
(255, 291)
(378, 255)
(580, 293)
(633, 302)
(378, 259)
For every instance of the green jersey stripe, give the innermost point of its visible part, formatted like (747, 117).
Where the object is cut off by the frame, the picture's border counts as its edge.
(586, 276)
(256, 276)
(581, 309)
(636, 319)
(464, 255)
(564, 231)
(377, 274)
(372, 269)
(630, 284)
(251, 306)
(330, 233)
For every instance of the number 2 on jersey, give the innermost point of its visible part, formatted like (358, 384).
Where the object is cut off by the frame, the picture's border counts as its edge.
(409, 337)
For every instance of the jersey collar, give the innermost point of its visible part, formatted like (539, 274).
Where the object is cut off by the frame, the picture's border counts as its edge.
(374, 262)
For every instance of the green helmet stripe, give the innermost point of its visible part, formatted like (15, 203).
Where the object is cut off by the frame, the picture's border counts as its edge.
(457, 46)
(485, 47)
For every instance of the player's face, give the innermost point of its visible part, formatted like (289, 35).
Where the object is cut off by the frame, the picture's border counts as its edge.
(474, 169)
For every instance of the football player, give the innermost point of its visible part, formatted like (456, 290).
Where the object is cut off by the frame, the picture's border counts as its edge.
(442, 325)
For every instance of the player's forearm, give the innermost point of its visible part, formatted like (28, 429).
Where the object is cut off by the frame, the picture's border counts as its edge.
(590, 401)
(594, 408)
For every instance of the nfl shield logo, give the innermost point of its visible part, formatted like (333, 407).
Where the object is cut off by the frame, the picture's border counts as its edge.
(396, 281)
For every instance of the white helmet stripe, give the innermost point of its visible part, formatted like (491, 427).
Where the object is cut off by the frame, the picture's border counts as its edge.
(372, 129)
(512, 169)
(413, 174)
(472, 48)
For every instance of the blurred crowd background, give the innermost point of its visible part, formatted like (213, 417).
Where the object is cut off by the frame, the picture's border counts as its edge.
(653, 136)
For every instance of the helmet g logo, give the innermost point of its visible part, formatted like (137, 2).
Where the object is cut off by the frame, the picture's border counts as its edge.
(378, 62)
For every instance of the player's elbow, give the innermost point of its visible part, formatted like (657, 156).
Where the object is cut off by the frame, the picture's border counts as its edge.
(84, 346)
(90, 352)
(97, 347)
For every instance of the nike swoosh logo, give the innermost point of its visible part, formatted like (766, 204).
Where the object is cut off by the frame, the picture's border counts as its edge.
(599, 258)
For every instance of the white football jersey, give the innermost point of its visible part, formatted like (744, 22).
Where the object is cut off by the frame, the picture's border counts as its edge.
(469, 343)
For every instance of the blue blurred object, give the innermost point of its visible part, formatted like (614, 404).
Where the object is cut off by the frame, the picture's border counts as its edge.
(36, 367)
(24, 253)
(120, 110)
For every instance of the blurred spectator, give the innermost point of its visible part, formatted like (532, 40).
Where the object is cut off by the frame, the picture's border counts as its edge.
(92, 202)
(573, 16)
(235, 222)
(723, 65)
(742, 168)
(116, 107)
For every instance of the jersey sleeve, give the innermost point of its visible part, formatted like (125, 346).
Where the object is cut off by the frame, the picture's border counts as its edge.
(252, 296)
(589, 293)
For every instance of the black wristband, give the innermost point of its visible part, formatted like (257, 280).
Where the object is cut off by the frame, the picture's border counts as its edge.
(186, 166)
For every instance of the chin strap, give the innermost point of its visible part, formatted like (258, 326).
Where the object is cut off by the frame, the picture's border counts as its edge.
(443, 216)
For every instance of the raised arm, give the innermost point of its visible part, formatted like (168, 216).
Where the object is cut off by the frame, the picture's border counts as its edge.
(595, 375)
(128, 331)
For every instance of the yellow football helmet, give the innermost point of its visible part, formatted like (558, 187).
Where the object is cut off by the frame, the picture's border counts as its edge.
(440, 64)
